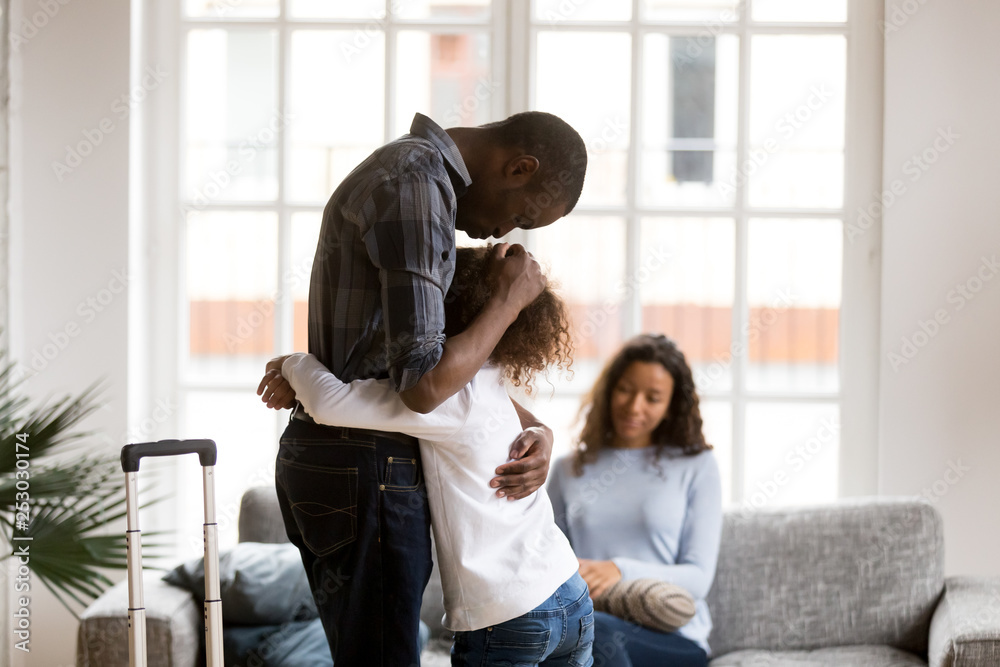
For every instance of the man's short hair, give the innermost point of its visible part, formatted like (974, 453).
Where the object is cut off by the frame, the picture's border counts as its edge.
(560, 150)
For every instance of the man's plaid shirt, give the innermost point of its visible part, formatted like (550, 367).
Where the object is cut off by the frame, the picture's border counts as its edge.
(385, 260)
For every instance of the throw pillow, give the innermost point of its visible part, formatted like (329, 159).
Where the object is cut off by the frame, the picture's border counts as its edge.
(260, 584)
(651, 603)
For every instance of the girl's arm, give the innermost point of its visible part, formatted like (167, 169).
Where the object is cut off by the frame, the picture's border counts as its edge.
(371, 404)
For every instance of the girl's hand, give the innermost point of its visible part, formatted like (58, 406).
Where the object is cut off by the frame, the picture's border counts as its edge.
(274, 389)
(600, 575)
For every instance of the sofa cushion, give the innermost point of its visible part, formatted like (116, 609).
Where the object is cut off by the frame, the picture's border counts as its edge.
(861, 572)
(841, 656)
(260, 516)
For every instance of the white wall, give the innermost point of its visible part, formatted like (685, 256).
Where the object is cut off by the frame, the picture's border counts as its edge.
(940, 409)
(69, 239)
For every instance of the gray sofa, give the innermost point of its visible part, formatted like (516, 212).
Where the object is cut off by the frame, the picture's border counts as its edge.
(858, 583)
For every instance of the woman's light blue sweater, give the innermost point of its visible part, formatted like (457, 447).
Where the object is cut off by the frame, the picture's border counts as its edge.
(664, 523)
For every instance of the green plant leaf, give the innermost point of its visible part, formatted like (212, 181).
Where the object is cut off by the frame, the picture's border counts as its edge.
(73, 496)
(48, 427)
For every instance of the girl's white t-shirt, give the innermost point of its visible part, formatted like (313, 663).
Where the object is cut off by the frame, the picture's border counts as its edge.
(498, 558)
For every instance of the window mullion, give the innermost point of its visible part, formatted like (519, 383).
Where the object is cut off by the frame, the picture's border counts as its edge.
(633, 241)
(500, 28)
(741, 309)
(521, 37)
(391, 31)
(284, 310)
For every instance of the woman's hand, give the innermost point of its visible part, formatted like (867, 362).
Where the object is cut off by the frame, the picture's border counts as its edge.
(600, 575)
(274, 389)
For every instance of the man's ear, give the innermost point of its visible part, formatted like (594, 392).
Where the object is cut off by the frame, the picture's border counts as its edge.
(521, 169)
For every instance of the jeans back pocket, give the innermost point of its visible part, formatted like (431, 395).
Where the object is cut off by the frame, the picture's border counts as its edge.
(583, 653)
(324, 503)
(506, 646)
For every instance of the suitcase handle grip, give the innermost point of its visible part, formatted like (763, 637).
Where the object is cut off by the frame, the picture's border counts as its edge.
(205, 449)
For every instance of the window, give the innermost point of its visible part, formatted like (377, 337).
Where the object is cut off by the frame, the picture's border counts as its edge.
(713, 211)
(279, 102)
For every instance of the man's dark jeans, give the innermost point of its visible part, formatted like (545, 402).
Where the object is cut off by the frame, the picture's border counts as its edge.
(354, 503)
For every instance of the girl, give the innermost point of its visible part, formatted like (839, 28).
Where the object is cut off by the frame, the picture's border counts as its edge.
(512, 592)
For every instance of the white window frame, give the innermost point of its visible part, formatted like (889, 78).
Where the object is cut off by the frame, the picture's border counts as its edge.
(859, 312)
(159, 315)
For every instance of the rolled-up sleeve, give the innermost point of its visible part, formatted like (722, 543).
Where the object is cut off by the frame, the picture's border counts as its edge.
(411, 242)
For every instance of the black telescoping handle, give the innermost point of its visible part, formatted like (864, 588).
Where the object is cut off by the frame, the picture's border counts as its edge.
(205, 449)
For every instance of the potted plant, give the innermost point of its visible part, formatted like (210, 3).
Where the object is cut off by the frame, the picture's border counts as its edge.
(57, 499)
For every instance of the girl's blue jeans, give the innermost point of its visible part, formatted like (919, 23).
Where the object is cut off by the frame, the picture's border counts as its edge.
(558, 632)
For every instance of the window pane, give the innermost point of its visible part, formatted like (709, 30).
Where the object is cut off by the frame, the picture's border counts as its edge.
(556, 11)
(558, 412)
(230, 9)
(689, 295)
(791, 454)
(355, 9)
(717, 418)
(600, 113)
(709, 12)
(231, 122)
(796, 140)
(247, 442)
(231, 289)
(464, 10)
(463, 240)
(305, 236)
(689, 111)
(796, 10)
(794, 288)
(337, 93)
(446, 77)
(586, 257)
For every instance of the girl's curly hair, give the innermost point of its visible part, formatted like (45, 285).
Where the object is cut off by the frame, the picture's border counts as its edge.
(538, 338)
(681, 428)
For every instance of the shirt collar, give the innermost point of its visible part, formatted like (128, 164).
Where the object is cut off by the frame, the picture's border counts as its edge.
(426, 128)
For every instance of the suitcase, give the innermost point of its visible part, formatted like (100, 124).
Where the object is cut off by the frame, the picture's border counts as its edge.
(131, 454)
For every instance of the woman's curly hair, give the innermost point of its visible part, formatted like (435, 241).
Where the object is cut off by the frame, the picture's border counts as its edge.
(681, 428)
(538, 338)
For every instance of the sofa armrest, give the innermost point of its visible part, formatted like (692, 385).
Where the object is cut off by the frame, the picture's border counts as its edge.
(965, 627)
(173, 626)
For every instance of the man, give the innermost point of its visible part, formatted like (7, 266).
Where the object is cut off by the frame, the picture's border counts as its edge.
(352, 500)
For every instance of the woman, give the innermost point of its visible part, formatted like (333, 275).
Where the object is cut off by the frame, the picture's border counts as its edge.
(512, 592)
(640, 497)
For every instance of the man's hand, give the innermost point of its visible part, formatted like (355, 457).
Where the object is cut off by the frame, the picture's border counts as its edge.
(532, 452)
(600, 575)
(274, 389)
(515, 276)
